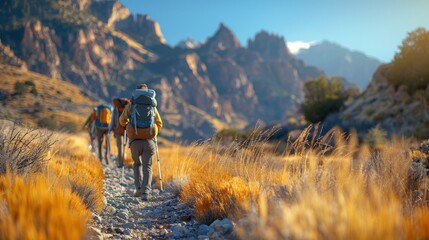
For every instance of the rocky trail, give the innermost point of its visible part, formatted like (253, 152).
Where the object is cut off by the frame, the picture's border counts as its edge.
(162, 217)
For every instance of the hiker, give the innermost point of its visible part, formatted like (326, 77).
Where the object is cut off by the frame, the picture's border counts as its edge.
(90, 127)
(118, 131)
(145, 122)
(103, 125)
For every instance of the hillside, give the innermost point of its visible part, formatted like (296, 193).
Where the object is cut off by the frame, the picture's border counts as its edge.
(393, 109)
(335, 60)
(42, 101)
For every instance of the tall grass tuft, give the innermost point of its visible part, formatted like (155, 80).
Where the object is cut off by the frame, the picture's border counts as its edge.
(75, 167)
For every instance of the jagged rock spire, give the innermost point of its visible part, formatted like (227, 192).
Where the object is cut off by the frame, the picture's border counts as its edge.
(224, 38)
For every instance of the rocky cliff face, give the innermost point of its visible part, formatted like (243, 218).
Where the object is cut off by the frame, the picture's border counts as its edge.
(8, 57)
(39, 49)
(250, 81)
(70, 45)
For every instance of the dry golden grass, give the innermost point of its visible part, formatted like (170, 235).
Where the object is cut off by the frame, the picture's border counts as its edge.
(330, 187)
(54, 202)
(35, 209)
(76, 168)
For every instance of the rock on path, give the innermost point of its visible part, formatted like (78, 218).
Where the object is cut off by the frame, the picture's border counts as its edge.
(162, 217)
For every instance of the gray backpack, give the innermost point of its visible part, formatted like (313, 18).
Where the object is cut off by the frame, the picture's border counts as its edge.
(143, 105)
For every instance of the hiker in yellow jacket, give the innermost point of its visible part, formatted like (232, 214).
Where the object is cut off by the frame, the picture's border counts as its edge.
(90, 127)
(142, 145)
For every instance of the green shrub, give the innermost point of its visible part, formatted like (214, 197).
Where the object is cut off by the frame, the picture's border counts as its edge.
(410, 66)
(50, 123)
(322, 97)
(19, 88)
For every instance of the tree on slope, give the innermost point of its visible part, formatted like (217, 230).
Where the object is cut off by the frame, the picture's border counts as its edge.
(410, 66)
(322, 96)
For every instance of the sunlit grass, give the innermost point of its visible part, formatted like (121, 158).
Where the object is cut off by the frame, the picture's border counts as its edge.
(33, 208)
(329, 187)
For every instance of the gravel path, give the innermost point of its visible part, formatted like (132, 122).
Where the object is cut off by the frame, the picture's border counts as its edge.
(162, 217)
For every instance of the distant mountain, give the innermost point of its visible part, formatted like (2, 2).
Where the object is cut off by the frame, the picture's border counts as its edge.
(99, 47)
(354, 66)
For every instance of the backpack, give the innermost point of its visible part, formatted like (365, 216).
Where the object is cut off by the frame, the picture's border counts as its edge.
(143, 105)
(104, 116)
(119, 105)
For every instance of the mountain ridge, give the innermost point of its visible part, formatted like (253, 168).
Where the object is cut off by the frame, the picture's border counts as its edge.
(109, 52)
(336, 60)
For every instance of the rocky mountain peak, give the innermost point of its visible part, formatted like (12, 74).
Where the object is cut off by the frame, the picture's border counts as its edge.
(270, 46)
(119, 13)
(143, 29)
(223, 39)
(111, 12)
(144, 20)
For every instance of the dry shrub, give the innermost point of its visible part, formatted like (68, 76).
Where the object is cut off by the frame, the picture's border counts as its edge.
(23, 150)
(35, 209)
(227, 199)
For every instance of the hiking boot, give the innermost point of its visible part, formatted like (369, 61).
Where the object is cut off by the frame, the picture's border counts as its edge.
(145, 197)
(137, 194)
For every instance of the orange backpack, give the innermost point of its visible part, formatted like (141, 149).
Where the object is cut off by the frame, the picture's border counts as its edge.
(119, 105)
(104, 116)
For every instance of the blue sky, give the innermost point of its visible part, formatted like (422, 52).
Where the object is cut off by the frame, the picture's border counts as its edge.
(374, 27)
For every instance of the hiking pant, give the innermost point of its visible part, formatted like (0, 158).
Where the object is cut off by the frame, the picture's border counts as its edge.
(120, 145)
(101, 133)
(142, 152)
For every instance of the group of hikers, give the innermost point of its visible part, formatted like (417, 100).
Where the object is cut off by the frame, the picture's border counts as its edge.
(136, 119)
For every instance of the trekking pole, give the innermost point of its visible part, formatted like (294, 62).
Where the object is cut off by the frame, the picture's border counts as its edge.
(124, 154)
(123, 160)
(159, 164)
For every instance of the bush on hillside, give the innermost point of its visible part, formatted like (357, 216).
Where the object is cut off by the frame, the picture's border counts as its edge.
(410, 66)
(230, 135)
(322, 97)
(21, 88)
